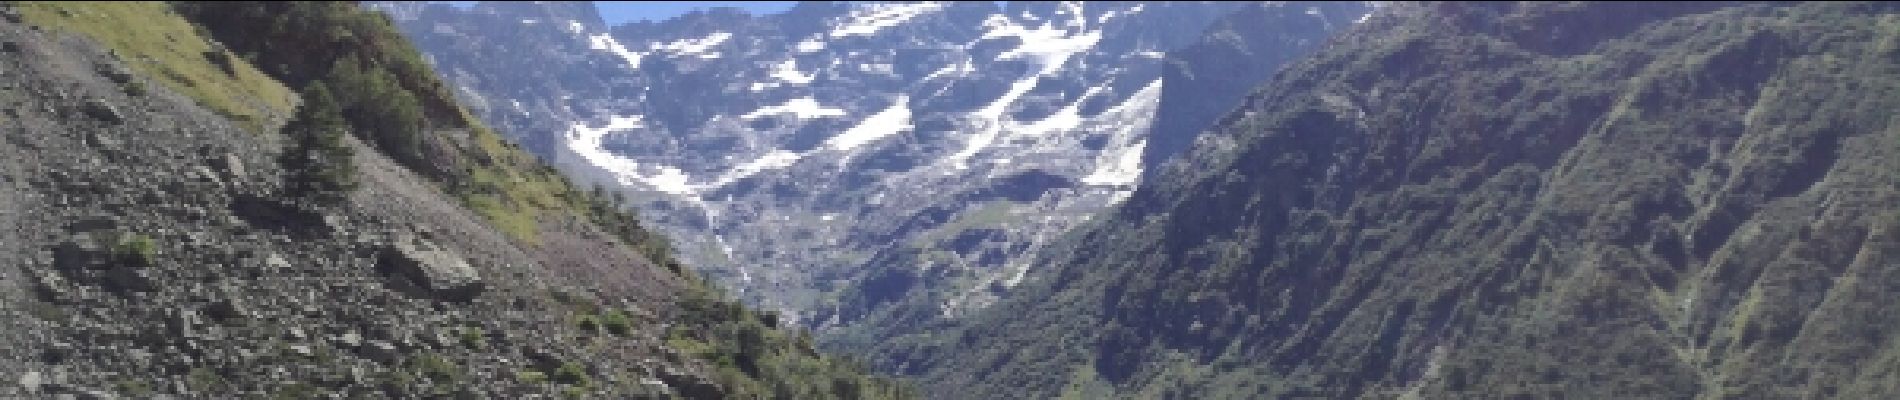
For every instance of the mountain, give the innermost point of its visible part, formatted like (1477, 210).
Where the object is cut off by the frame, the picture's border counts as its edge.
(278, 199)
(1208, 78)
(840, 156)
(1494, 200)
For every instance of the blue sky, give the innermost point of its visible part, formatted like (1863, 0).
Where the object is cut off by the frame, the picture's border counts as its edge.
(620, 12)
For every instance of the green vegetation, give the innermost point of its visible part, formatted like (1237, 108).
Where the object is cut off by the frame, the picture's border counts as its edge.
(571, 374)
(473, 337)
(393, 101)
(757, 360)
(319, 164)
(134, 388)
(434, 367)
(135, 250)
(531, 377)
(205, 380)
(170, 52)
(1493, 200)
(617, 322)
(588, 324)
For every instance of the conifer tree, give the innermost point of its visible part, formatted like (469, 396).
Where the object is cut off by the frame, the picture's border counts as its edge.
(317, 162)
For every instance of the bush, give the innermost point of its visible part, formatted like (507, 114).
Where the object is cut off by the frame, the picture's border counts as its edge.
(135, 250)
(570, 373)
(589, 324)
(531, 377)
(473, 337)
(436, 368)
(617, 323)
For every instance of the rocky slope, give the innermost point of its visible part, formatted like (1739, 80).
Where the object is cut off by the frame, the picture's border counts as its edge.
(150, 248)
(835, 157)
(1496, 200)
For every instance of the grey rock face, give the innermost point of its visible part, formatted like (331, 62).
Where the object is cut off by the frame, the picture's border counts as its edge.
(441, 273)
(103, 111)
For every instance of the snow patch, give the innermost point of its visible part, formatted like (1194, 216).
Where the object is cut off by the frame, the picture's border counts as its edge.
(990, 117)
(788, 71)
(700, 47)
(775, 160)
(1112, 14)
(810, 46)
(885, 123)
(870, 18)
(1047, 46)
(960, 69)
(1066, 119)
(878, 68)
(1122, 167)
(994, 111)
(586, 142)
(606, 42)
(802, 108)
(1120, 164)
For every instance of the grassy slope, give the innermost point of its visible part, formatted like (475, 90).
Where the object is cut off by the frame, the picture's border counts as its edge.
(172, 52)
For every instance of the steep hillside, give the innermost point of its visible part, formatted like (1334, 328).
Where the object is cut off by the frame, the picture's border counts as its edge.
(178, 224)
(1497, 200)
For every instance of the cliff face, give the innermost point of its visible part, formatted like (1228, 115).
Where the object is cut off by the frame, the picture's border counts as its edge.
(1597, 200)
(1241, 50)
(151, 245)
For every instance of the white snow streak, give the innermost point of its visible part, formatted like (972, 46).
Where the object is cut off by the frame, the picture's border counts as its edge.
(586, 142)
(871, 18)
(695, 47)
(810, 45)
(788, 71)
(774, 160)
(885, 123)
(607, 42)
(1120, 165)
(802, 108)
(1047, 46)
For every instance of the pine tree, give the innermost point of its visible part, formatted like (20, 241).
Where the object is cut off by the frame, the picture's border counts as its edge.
(318, 163)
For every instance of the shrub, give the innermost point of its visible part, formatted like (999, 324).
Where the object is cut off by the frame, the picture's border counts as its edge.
(589, 324)
(617, 323)
(135, 250)
(570, 373)
(531, 377)
(473, 337)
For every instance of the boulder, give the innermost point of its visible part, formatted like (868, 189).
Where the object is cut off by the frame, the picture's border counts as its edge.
(113, 72)
(438, 273)
(103, 111)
